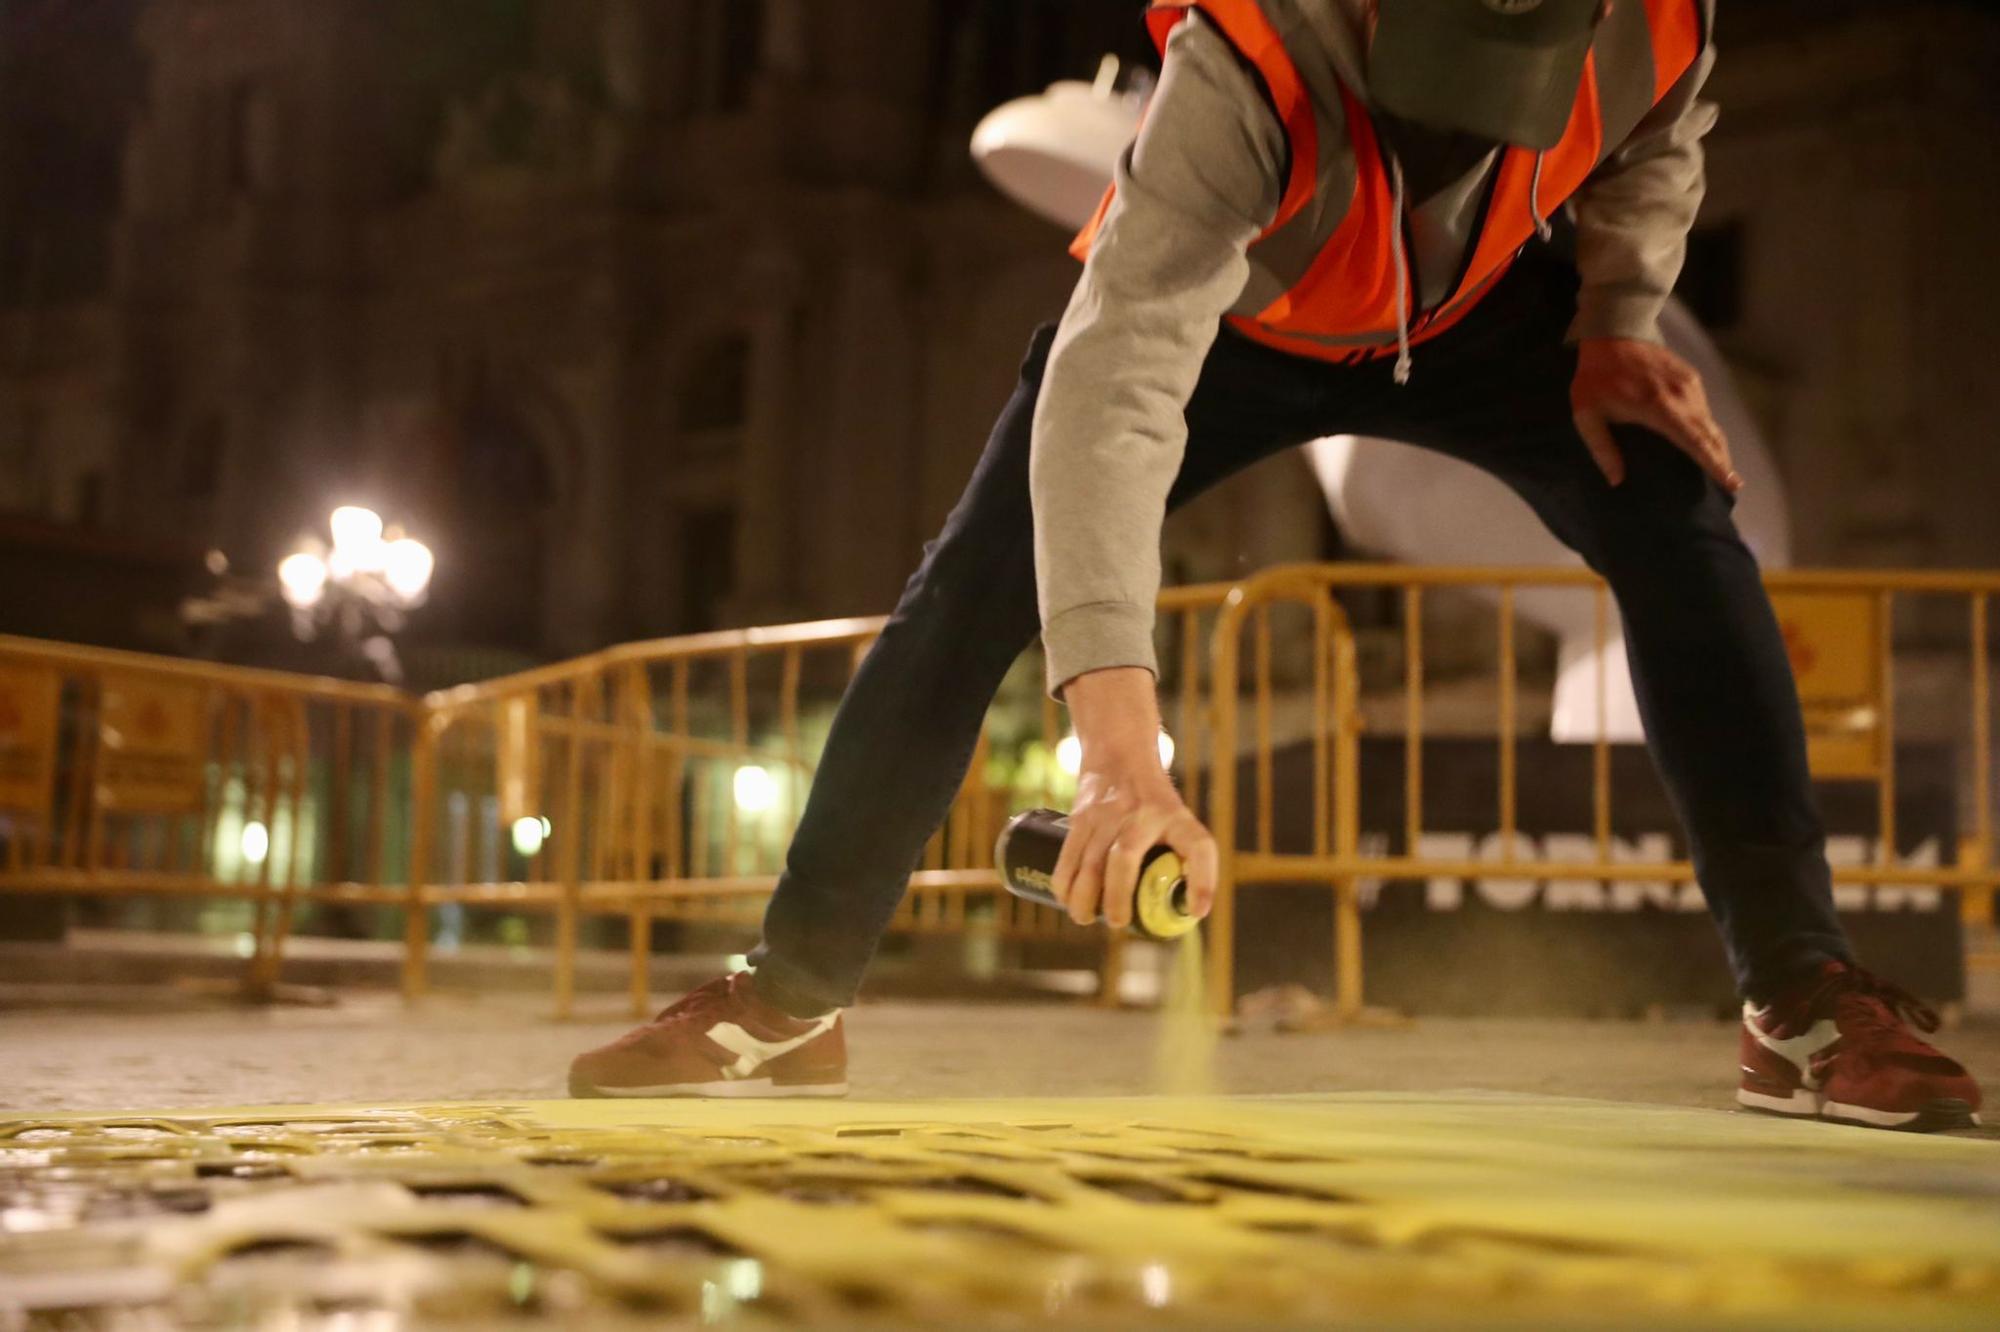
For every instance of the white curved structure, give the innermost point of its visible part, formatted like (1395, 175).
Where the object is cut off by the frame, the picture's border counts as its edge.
(1054, 153)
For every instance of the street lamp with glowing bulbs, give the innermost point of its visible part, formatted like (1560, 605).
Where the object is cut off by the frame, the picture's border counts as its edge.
(365, 581)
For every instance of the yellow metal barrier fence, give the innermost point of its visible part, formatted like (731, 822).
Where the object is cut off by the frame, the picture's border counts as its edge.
(126, 775)
(659, 782)
(1860, 742)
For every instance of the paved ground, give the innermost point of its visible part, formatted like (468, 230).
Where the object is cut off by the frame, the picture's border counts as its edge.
(1441, 1176)
(369, 1048)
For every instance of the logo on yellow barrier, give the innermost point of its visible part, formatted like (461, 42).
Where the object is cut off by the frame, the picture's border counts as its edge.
(151, 746)
(1833, 639)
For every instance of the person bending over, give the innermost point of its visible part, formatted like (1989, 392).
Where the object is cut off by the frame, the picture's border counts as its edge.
(1334, 220)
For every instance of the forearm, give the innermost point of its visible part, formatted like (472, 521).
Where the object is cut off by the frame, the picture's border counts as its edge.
(1110, 430)
(1634, 214)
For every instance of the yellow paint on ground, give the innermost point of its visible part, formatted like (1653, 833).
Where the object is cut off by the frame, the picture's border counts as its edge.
(1378, 1211)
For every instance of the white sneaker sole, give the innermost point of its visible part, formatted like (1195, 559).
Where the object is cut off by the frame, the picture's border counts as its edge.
(1801, 1104)
(738, 1089)
(1942, 1114)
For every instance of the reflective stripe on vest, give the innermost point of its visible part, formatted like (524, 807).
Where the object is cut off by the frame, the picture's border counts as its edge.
(1336, 290)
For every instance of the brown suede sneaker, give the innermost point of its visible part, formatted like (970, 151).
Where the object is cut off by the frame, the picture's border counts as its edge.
(721, 1040)
(1840, 1046)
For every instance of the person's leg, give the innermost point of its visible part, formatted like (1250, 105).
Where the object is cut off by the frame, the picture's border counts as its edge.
(1709, 667)
(910, 718)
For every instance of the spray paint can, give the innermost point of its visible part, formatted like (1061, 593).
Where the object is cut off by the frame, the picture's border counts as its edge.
(1026, 855)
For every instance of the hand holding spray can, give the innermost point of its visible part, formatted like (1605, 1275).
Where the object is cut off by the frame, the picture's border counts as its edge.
(1031, 843)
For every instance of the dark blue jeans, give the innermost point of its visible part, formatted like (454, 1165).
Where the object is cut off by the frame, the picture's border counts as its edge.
(1714, 685)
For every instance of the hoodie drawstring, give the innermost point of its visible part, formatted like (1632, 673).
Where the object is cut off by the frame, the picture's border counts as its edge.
(1402, 272)
(1542, 228)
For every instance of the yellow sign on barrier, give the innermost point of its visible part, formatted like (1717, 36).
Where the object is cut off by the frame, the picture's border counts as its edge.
(28, 701)
(1832, 639)
(151, 746)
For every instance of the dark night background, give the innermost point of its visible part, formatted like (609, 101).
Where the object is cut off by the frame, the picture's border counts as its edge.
(660, 315)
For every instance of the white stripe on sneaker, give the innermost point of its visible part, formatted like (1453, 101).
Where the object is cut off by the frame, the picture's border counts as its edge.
(1797, 1051)
(1861, 1114)
(752, 1054)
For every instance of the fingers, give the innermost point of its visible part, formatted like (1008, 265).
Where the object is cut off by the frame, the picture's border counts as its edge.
(1715, 444)
(1196, 848)
(1121, 868)
(1603, 448)
(1152, 824)
(1684, 419)
(1097, 872)
(1062, 880)
(1091, 834)
(1132, 836)
(1622, 380)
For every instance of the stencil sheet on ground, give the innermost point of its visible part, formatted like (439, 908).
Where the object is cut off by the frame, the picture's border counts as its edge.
(1455, 1210)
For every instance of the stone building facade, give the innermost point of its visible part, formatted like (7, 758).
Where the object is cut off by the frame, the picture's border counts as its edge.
(1847, 244)
(651, 315)
(658, 315)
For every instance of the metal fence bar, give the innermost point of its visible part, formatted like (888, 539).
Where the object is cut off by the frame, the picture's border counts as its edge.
(1347, 814)
(1509, 721)
(1413, 718)
(570, 846)
(1976, 906)
(1262, 685)
(423, 821)
(1885, 647)
(1224, 677)
(1600, 748)
(1188, 741)
(639, 712)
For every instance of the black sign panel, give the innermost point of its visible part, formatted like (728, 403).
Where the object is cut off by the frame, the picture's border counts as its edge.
(1501, 945)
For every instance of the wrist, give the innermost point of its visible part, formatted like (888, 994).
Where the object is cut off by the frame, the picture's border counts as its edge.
(1116, 713)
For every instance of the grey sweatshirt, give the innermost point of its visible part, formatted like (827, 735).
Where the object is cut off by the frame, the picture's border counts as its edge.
(1199, 184)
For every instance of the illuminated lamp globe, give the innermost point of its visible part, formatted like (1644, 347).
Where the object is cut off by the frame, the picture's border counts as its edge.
(407, 569)
(357, 538)
(302, 579)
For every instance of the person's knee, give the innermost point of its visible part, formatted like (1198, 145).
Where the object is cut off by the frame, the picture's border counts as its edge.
(1665, 511)
(1663, 483)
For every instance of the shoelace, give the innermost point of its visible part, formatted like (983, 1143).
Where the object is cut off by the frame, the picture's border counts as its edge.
(1899, 1003)
(700, 1002)
(1891, 1003)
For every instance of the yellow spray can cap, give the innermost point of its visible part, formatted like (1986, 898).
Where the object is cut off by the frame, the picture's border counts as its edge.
(1160, 908)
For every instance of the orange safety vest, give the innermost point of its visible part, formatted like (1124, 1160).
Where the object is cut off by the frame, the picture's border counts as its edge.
(1340, 305)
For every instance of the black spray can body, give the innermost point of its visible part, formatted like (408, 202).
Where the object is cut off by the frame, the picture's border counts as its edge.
(1026, 855)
